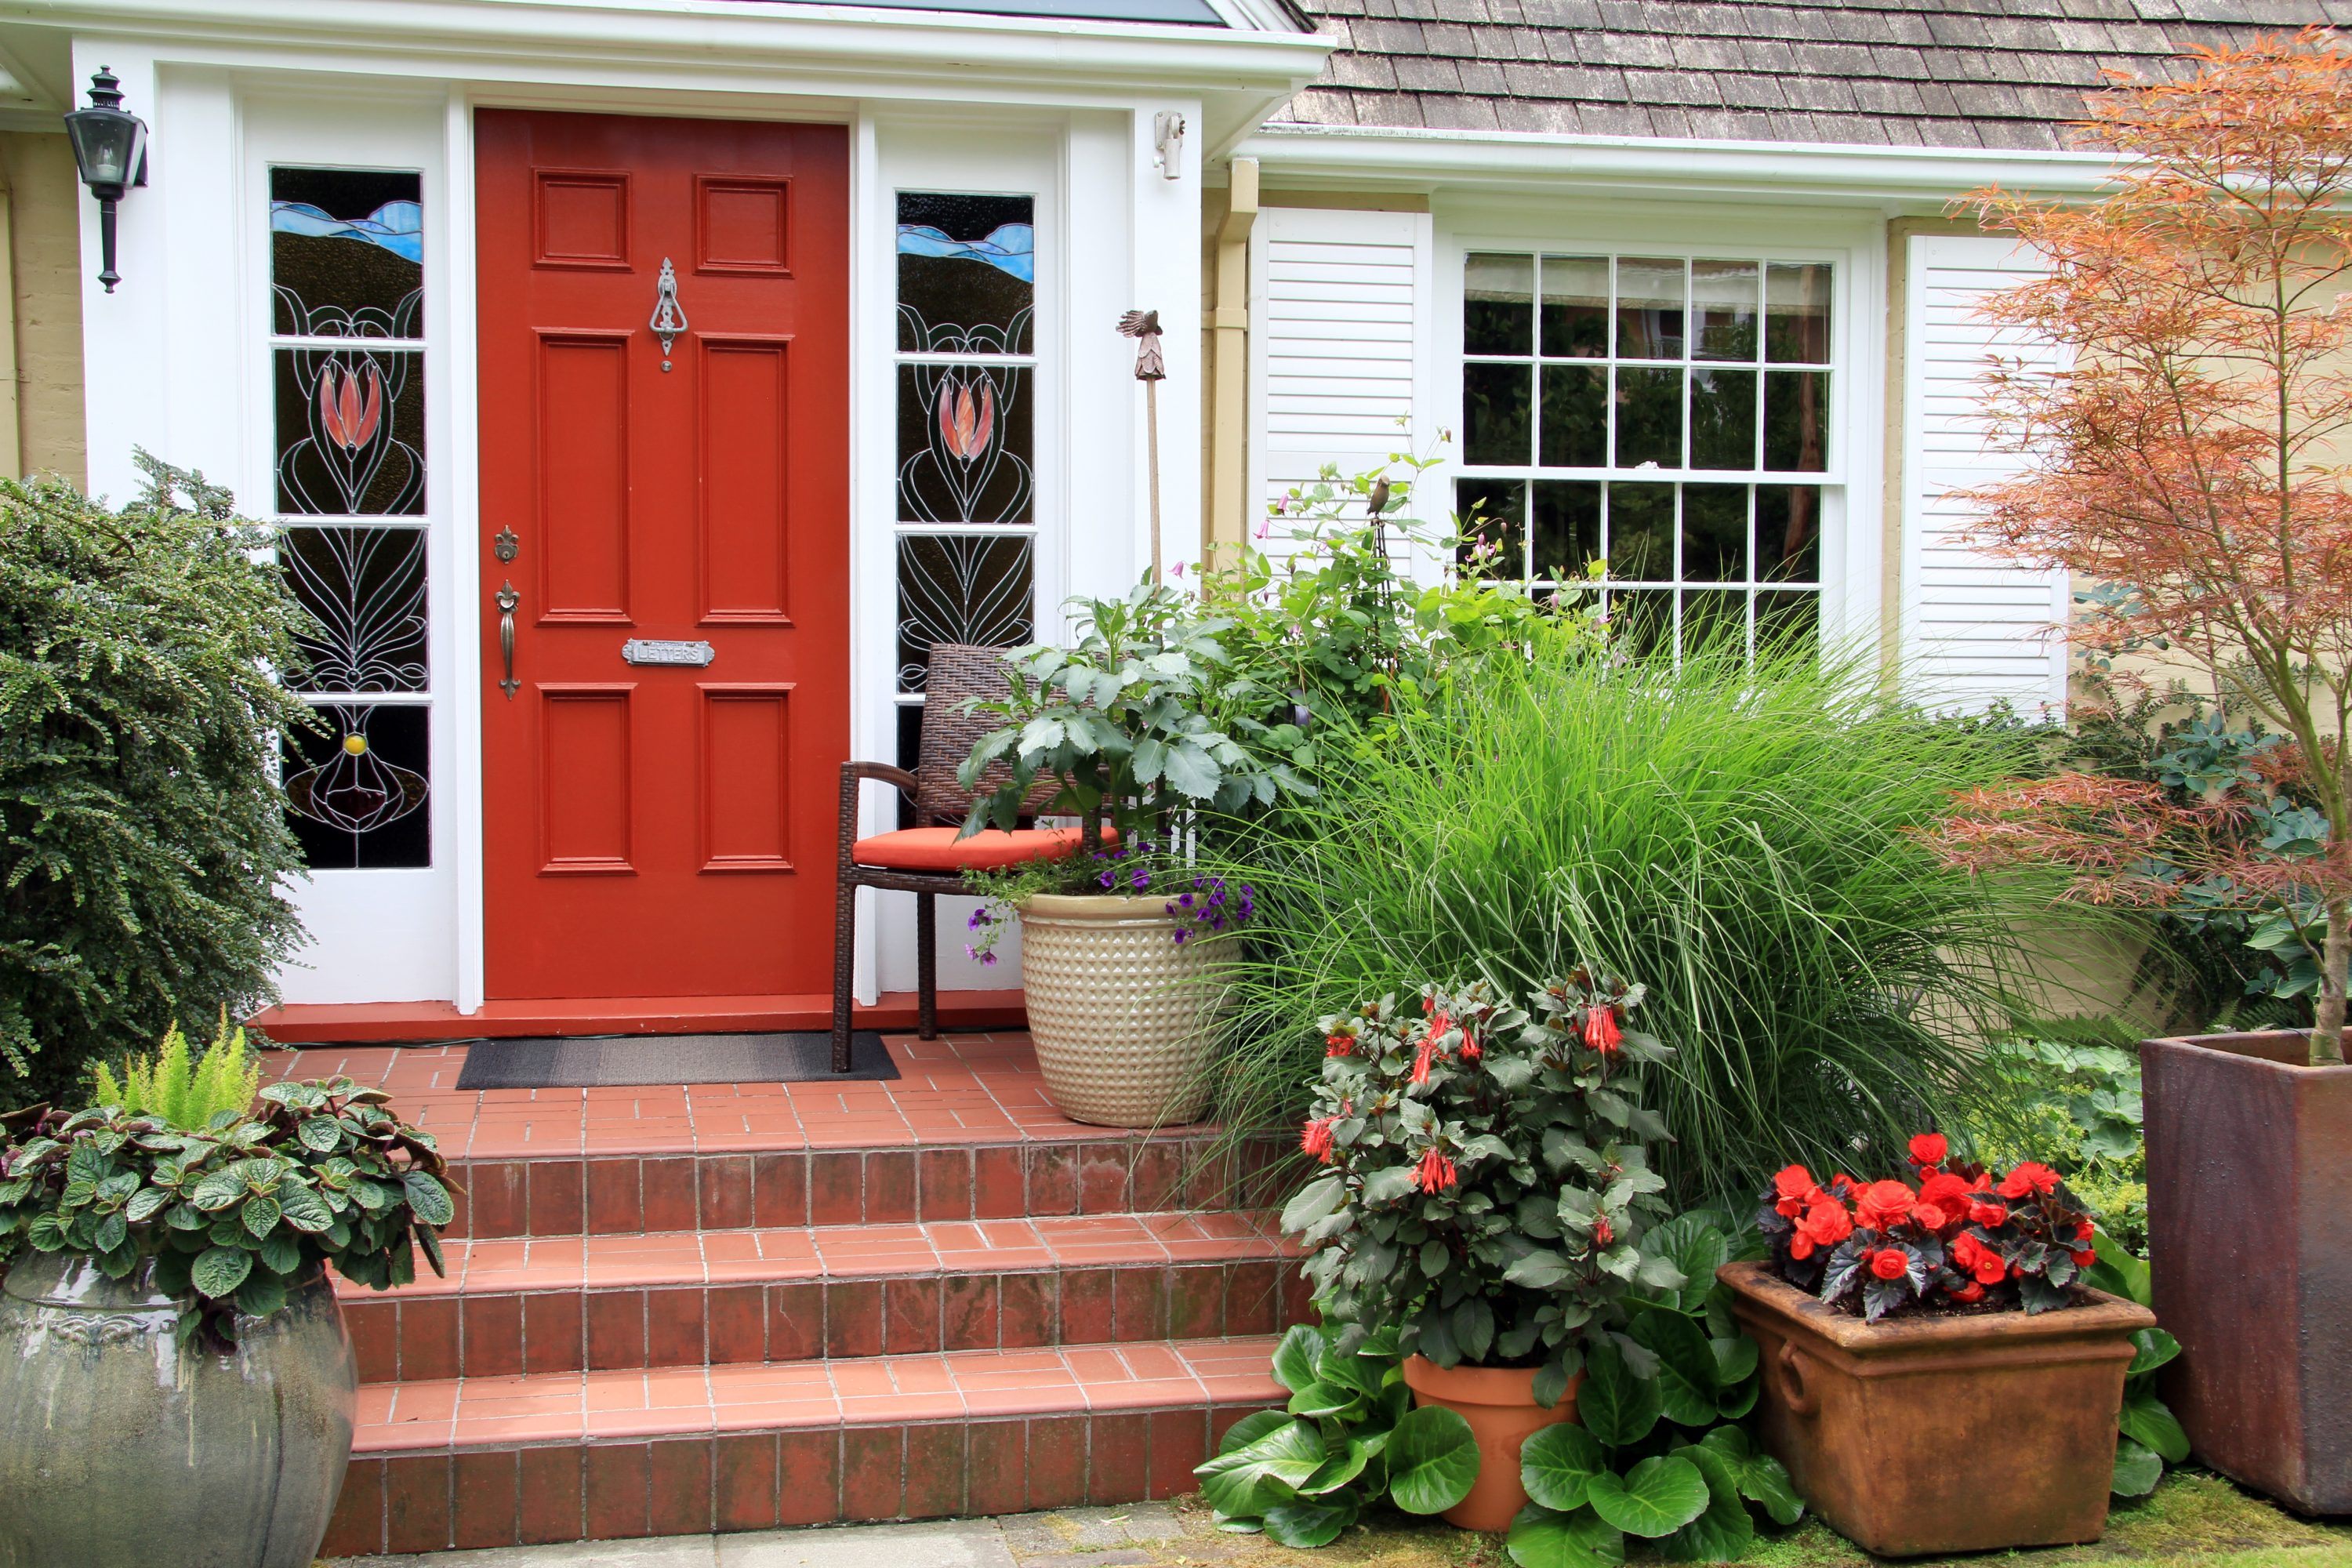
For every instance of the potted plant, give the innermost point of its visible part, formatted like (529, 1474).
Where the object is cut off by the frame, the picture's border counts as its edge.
(2181, 466)
(1936, 1377)
(1146, 726)
(1487, 1199)
(170, 1290)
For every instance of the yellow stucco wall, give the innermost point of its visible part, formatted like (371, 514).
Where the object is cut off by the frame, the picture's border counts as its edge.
(44, 257)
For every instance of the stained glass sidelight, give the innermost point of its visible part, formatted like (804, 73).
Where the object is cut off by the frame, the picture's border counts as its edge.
(976, 588)
(966, 482)
(364, 588)
(347, 296)
(356, 790)
(346, 253)
(967, 273)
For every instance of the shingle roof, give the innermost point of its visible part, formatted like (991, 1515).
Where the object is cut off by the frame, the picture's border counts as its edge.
(1970, 73)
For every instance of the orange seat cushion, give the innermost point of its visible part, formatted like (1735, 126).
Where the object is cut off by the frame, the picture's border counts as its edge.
(938, 849)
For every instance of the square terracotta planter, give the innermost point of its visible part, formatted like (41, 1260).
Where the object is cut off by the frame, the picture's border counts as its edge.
(2250, 1244)
(1946, 1433)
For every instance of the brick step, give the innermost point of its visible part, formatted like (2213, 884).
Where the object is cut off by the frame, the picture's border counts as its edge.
(501, 1461)
(649, 1187)
(688, 1298)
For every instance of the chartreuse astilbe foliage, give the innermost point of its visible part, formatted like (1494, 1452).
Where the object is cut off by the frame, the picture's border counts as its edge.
(235, 1214)
(1488, 1192)
(1657, 1451)
(1741, 839)
(143, 833)
(181, 1089)
(1348, 1439)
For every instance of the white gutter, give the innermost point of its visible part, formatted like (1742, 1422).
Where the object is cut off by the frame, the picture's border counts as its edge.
(1308, 156)
(723, 37)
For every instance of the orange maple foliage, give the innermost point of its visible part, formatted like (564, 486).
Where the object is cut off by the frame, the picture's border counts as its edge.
(2188, 451)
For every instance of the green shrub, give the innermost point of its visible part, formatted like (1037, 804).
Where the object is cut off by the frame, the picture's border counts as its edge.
(2075, 1105)
(1743, 840)
(144, 837)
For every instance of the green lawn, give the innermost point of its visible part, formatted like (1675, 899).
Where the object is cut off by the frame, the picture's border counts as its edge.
(2193, 1518)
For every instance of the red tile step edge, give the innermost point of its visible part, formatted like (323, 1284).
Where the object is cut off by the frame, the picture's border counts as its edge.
(727, 1298)
(505, 1461)
(627, 1192)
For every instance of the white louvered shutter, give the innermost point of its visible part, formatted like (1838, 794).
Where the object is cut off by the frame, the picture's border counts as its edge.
(1976, 630)
(1338, 342)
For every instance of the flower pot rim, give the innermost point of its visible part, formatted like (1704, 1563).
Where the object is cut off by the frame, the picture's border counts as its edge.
(1470, 1384)
(2229, 1047)
(2100, 1317)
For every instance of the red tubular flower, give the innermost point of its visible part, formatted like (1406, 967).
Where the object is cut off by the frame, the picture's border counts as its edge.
(1422, 1057)
(1928, 1149)
(1883, 1204)
(1470, 1051)
(1890, 1263)
(1600, 1031)
(1316, 1139)
(1436, 1172)
(1339, 1045)
(2029, 1176)
(1604, 1233)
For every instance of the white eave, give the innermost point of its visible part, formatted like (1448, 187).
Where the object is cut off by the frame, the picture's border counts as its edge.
(1310, 156)
(764, 45)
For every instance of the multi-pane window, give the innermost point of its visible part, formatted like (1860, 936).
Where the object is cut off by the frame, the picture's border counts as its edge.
(347, 362)
(966, 490)
(1661, 414)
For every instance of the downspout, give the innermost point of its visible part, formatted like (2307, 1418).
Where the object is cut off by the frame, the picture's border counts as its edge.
(1229, 411)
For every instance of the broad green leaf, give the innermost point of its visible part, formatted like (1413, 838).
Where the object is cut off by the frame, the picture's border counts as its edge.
(319, 1135)
(260, 1215)
(304, 1209)
(1735, 1361)
(1541, 1538)
(1538, 1271)
(280, 1253)
(2151, 1348)
(1296, 1356)
(1432, 1460)
(218, 1190)
(1615, 1407)
(2137, 1469)
(1761, 1477)
(109, 1233)
(1557, 1466)
(1318, 1401)
(261, 1294)
(1697, 1246)
(1724, 1532)
(429, 1199)
(1656, 1497)
(2118, 1272)
(1686, 1387)
(1311, 1522)
(1340, 1467)
(1266, 1474)
(220, 1270)
(1319, 1199)
(2150, 1421)
(145, 1202)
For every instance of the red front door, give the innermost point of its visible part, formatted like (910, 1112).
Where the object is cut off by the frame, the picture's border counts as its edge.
(666, 532)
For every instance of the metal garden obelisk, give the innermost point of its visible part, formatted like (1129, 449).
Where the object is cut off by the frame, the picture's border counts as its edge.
(1151, 370)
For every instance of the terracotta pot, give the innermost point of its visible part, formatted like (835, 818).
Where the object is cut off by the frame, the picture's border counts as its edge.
(1124, 1017)
(2250, 1244)
(1941, 1434)
(121, 1447)
(1499, 1403)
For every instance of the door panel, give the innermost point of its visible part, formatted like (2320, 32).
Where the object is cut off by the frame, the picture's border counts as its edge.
(663, 829)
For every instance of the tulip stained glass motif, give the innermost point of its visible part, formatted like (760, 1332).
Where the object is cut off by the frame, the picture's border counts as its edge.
(351, 432)
(972, 588)
(356, 790)
(964, 444)
(346, 253)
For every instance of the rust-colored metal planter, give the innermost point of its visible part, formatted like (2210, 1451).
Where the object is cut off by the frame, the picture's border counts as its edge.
(2250, 1242)
(1941, 1434)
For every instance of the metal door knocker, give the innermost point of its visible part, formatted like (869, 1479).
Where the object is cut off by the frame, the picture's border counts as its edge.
(669, 321)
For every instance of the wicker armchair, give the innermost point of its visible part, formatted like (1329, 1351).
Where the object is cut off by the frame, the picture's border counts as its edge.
(927, 860)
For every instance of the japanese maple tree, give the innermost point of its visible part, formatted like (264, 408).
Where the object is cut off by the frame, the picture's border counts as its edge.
(2185, 462)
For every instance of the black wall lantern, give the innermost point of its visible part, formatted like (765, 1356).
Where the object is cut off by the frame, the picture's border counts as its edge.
(110, 146)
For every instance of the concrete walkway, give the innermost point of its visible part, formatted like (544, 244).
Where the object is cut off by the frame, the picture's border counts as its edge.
(1138, 1534)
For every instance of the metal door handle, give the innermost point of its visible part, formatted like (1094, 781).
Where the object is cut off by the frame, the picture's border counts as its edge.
(508, 600)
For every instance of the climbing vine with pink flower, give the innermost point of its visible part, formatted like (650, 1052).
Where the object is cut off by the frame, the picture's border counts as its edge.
(1487, 1189)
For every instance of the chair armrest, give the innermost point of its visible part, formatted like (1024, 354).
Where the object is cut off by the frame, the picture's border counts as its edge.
(853, 772)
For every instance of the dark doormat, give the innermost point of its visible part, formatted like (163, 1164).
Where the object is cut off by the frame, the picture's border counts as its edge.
(600, 1061)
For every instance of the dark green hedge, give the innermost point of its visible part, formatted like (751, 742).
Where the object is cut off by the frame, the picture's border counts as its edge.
(143, 837)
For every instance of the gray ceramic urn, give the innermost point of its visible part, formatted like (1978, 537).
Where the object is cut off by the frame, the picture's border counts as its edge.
(122, 1448)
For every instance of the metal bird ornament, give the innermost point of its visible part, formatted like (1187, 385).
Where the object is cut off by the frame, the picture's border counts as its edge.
(1144, 327)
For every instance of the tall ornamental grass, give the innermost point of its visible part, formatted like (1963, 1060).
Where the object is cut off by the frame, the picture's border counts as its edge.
(1739, 840)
